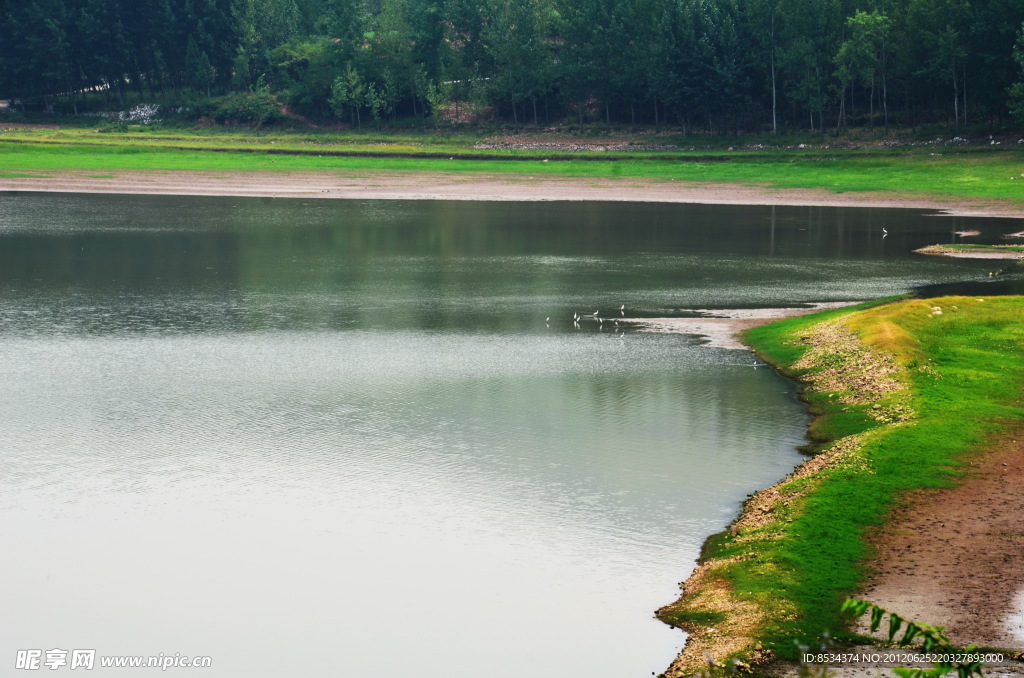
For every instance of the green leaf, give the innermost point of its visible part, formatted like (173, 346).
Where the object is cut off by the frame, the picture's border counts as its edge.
(876, 618)
(855, 608)
(895, 623)
(913, 631)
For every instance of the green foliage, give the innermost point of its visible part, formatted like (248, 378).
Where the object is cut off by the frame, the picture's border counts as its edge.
(257, 107)
(931, 639)
(380, 99)
(303, 72)
(348, 92)
(1016, 91)
(439, 95)
(198, 68)
(718, 66)
(861, 57)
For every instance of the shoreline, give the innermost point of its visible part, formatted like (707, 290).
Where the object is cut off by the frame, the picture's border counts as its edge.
(974, 252)
(947, 556)
(722, 328)
(408, 185)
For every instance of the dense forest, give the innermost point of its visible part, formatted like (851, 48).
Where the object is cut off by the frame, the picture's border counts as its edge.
(723, 66)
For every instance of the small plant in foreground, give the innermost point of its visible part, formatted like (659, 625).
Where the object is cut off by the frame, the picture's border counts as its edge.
(932, 639)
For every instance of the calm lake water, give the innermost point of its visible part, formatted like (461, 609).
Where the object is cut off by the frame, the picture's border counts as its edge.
(338, 438)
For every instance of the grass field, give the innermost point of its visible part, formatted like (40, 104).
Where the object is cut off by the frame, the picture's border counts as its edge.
(985, 173)
(902, 392)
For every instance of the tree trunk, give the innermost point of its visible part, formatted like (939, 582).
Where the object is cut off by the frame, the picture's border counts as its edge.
(871, 102)
(885, 93)
(956, 104)
(775, 122)
(965, 94)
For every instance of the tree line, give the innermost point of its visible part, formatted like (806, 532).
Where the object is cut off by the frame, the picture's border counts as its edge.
(706, 65)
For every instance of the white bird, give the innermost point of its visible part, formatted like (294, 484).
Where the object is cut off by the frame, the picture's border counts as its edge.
(548, 319)
(622, 308)
(884, 232)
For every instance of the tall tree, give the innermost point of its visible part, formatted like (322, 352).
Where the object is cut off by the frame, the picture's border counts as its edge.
(515, 34)
(1016, 91)
(809, 34)
(941, 47)
(861, 58)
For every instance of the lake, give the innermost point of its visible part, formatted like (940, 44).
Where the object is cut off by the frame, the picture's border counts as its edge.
(356, 438)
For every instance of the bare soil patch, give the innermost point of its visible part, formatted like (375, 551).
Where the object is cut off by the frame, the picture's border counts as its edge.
(453, 186)
(955, 557)
(992, 253)
(548, 142)
(25, 125)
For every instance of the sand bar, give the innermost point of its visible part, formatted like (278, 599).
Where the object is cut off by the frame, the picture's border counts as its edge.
(720, 328)
(454, 186)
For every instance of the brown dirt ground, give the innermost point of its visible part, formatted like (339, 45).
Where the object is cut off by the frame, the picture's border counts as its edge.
(955, 557)
(414, 186)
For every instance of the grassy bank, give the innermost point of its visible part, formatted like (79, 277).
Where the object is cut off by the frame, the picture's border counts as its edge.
(902, 393)
(933, 171)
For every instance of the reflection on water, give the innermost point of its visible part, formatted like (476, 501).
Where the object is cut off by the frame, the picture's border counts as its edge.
(339, 438)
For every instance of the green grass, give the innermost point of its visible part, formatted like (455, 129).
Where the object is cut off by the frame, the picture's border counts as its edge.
(976, 173)
(964, 373)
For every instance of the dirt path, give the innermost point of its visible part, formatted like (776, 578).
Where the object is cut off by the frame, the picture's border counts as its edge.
(417, 186)
(955, 557)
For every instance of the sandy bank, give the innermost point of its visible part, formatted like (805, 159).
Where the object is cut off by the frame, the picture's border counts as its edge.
(721, 328)
(978, 253)
(422, 186)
